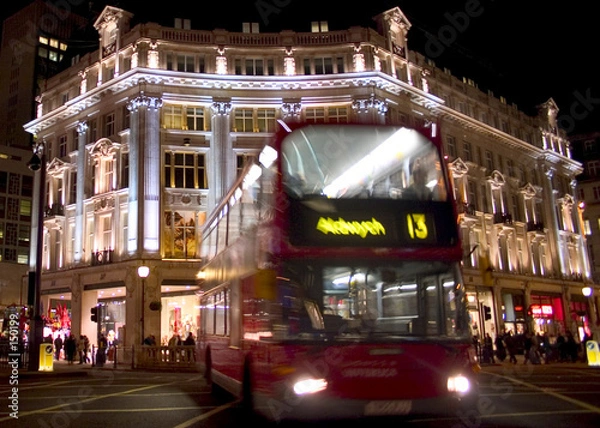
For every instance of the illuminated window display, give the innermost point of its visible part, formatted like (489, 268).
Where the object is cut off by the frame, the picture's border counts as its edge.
(178, 316)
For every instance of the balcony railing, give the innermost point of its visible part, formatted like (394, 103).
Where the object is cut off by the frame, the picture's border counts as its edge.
(533, 226)
(102, 257)
(468, 209)
(503, 218)
(54, 210)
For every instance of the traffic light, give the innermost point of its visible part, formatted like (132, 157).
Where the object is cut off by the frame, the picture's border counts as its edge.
(94, 312)
(487, 312)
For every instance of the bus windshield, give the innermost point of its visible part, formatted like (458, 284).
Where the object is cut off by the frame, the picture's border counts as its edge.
(351, 301)
(354, 161)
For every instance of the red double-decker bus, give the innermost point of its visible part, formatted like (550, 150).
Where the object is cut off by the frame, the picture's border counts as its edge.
(332, 278)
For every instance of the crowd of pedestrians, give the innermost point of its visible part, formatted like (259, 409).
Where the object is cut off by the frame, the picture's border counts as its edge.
(536, 348)
(70, 349)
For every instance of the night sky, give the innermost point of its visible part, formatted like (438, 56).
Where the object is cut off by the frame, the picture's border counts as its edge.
(526, 51)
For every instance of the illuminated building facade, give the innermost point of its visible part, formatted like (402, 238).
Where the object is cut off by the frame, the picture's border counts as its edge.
(159, 120)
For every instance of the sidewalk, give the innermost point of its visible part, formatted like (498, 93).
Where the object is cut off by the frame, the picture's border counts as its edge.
(521, 360)
(63, 368)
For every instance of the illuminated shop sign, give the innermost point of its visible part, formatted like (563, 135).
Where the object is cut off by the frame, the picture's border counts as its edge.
(541, 310)
(343, 227)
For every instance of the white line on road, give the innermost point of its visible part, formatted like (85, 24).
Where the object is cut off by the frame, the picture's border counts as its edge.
(204, 416)
(554, 394)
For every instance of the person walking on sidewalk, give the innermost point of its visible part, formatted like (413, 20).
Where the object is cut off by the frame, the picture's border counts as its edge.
(511, 347)
(70, 348)
(58, 344)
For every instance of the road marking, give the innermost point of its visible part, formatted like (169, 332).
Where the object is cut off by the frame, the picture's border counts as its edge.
(206, 415)
(574, 401)
(87, 400)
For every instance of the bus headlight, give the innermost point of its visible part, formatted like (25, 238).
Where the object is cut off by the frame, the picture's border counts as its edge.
(309, 386)
(459, 384)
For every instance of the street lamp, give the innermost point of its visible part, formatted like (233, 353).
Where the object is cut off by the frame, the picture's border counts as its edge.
(589, 293)
(143, 272)
(36, 326)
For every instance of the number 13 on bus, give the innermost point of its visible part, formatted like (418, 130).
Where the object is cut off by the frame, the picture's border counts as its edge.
(332, 278)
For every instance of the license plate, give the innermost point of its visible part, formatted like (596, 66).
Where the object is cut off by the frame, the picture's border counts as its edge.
(388, 407)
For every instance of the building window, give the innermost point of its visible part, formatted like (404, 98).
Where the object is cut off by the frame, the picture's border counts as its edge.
(124, 170)
(593, 168)
(323, 65)
(265, 118)
(240, 163)
(180, 234)
(467, 152)
(195, 118)
(126, 118)
(104, 175)
(172, 117)
(243, 120)
(106, 233)
(180, 62)
(109, 125)
(587, 228)
(93, 130)
(185, 170)
(62, 146)
(510, 167)
(315, 115)
(337, 115)
(451, 146)
(589, 146)
(254, 67)
(489, 160)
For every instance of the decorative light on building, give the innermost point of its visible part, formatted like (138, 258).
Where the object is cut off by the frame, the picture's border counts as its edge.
(221, 64)
(377, 63)
(289, 65)
(152, 59)
(359, 62)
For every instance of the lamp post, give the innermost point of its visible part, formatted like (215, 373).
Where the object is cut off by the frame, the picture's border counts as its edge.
(38, 165)
(143, 272)
(589, 293)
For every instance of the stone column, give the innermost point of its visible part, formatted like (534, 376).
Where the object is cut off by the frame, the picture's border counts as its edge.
(144, 175)
(78, 256)
(559, 265)
(221, 164)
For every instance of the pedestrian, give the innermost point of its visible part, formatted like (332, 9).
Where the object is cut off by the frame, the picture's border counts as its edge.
(86, 349)
(189, 341)
(500, 348)
(511, 347)
(572, 347)
(561, 345)
(488, 349)
(58, 344)
(101, 352)
(70, 348)
(81, 349)
(527, 347)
